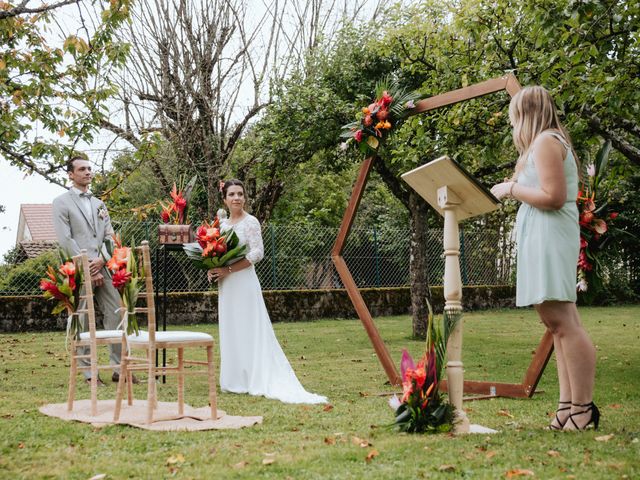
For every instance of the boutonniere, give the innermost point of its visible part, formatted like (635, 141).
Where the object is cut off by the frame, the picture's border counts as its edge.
(102, 213)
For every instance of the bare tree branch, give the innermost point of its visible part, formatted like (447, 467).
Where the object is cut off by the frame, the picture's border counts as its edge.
(23, 9)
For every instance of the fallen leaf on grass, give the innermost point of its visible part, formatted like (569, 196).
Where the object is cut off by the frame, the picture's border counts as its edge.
(361, 442)
(240, 465)
(519, 472)
(268, 461)
(490, 454)
(99, 476)
(604, 438)
(553, 453)
(615, 405)
(330, 440)
(447, 468)
(328, 408)
(21, 445)
(505, 413)
(371, 455)
(173, 459)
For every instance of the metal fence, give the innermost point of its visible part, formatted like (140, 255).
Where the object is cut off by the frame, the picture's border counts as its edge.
(297, 257)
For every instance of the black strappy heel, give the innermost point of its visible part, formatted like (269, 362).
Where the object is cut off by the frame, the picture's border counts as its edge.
(595, 415)
(561, 424)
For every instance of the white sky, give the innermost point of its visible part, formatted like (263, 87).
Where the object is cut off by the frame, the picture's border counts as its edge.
(15, 190)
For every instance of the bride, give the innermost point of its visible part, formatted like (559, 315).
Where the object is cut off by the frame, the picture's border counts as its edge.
(252, 360)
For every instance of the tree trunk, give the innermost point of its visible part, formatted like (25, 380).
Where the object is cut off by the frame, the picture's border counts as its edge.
(213, 183)
(418, 268)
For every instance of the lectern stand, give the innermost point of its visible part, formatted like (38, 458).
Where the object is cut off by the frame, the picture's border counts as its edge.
(456, 195)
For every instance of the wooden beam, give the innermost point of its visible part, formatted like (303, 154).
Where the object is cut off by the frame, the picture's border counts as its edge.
(540, 359)
(352, 206)
(461, 94)
(367, 321)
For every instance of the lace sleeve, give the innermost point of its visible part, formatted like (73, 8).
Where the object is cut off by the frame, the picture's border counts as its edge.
(254, 240)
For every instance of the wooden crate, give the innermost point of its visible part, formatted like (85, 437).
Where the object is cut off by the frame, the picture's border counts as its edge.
(174, 234)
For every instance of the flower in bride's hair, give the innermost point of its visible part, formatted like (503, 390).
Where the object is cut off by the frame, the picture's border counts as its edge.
(221, 185)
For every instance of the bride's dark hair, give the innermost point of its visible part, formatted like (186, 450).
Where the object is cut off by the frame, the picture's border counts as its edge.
(231, 183)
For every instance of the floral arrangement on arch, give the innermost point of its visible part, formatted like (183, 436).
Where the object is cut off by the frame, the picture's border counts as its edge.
(214, 248)
(176, 211)
(593, 222)
(423, 409)
(62, 285)
(391, 106)
(125, 277)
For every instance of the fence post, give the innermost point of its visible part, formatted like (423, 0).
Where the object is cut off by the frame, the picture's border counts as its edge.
(463, 259)
(376, 254)
(274, 272)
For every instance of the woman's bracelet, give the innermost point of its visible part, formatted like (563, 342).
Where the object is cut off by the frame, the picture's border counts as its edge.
(513, 184)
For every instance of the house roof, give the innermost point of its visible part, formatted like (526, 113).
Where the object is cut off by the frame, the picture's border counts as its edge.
(39, 220)
(33, 249)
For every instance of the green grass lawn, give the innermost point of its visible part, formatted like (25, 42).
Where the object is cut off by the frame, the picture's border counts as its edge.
(335, 358)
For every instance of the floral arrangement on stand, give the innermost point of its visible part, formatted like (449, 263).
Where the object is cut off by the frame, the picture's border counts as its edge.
(392, 105)
(593, 226)
(125, 277)
(176, 212)
(214, 248)
(62, 285)
(423, 409)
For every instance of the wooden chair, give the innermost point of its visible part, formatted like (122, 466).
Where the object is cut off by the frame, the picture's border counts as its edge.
(151, 341)
(92, 339)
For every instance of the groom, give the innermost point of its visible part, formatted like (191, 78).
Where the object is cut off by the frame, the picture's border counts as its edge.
(81, 221)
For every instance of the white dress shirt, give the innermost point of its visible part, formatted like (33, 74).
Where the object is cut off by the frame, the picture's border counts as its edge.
(85, 202)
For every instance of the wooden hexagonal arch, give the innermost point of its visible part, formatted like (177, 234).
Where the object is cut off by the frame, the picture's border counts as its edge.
(544, 349)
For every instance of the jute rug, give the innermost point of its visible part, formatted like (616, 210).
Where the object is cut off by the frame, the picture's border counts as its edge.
(166, 416)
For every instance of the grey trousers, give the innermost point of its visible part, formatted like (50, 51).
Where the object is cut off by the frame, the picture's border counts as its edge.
(107, 299)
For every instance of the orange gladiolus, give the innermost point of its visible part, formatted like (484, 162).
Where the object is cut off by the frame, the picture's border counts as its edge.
(119, 258)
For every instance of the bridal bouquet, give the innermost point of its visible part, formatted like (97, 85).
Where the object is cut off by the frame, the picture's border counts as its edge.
(423, 408)
(125, 278)
(214, 248)
(390, 108)
(63, 286)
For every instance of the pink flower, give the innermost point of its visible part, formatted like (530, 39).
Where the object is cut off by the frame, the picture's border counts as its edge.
(591, 170)
(358, 136)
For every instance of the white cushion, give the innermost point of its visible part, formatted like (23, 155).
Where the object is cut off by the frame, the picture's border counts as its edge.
(171, 336)
(102, 334)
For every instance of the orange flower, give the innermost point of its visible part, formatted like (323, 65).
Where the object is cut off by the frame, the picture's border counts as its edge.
(68, 269)
(210, 248)
(407, 390)
(119, 258)
(420, 375)
(365, 111)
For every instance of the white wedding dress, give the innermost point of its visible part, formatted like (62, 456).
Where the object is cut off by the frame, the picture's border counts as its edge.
(252, 360)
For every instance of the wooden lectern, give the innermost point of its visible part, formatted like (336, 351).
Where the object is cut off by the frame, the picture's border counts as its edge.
(456, 195)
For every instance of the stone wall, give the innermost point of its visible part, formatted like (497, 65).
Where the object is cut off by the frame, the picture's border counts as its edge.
(28, 314)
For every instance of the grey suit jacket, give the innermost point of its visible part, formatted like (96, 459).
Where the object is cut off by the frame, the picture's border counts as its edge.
(76, 231)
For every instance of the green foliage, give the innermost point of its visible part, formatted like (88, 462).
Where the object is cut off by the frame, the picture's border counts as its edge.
(26, 276)
(55, 94)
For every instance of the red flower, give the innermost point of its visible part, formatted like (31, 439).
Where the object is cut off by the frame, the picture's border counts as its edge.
(613, 215)
(583, 242)
(382, 114)
(419, 375)
(120, 278)
(368, 120)
(386, 99)
(358, 136)
(165, 215)
(52, 289)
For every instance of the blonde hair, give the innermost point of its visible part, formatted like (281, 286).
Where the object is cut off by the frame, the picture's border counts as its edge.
(532, 111)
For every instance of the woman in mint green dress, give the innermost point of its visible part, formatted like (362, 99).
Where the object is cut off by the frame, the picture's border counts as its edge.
(548, 238)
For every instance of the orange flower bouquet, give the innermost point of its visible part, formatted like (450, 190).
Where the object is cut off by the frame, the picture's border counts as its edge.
(423, 409)
(62, 285)
(214, 248)
(375, 122)
(593, 226)
(176, 212)
(125, 277)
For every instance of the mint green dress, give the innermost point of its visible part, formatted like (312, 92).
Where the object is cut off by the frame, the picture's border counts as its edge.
(548, 240)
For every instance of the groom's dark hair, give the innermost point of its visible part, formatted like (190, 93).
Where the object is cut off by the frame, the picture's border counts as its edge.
(69, 164)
